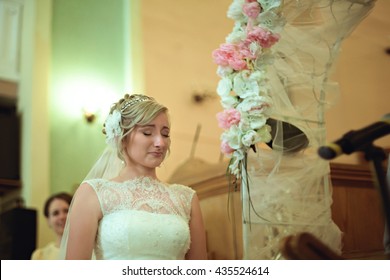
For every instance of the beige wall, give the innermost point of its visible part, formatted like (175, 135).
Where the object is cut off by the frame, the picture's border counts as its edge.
(178, 38)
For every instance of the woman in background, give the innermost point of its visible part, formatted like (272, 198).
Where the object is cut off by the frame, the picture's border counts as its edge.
(55, 210)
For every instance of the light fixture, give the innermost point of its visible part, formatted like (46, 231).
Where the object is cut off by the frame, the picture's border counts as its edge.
(89, 115)
(84, 99)
(200, 97)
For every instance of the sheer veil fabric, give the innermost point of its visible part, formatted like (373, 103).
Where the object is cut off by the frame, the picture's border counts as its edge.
(289, 187)
(107, 167)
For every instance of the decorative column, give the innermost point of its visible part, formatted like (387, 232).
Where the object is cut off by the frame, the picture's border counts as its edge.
(285, 186)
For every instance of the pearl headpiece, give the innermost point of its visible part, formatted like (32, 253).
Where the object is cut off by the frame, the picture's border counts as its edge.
(137, 98)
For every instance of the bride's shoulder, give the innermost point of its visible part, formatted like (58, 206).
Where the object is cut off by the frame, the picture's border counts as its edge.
(96, 184)
(182, 189)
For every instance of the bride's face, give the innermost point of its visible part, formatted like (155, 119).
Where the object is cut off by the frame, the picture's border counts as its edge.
(147, 145)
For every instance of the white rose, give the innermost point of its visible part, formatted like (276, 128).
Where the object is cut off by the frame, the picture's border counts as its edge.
(224, 71)
(258, 102)
(235, 10)
(243, 86)
(229, 101)
(264, 133)
(249, 138)
(233, 137)
(257, 121)
(224, 87)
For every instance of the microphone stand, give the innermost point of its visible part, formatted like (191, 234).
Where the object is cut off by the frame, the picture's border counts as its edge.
(375, 155)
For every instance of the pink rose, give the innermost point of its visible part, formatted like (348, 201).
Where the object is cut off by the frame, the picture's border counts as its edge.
(223, 54)
(228, 117)
(237, 62)
(245, 51)
(264, 38)
(229, 55)
(225, 148)
(251, 9)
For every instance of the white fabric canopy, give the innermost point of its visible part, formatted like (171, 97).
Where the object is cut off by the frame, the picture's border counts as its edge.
(290, 191)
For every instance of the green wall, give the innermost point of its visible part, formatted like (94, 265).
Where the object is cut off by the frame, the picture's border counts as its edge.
(89, 56)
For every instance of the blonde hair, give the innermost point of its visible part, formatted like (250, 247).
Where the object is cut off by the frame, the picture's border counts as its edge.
(135, 109)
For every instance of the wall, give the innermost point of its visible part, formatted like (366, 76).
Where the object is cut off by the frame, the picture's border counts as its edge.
(178, 38)
(32, 105)
(178, 41)
(90, 68)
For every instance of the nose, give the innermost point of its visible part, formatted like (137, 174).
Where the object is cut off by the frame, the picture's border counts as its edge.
(159, 141)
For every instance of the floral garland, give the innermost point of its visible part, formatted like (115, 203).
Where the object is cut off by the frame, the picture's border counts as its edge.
(242, 65)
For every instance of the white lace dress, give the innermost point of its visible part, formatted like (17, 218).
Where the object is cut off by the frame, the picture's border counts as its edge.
(142, 219)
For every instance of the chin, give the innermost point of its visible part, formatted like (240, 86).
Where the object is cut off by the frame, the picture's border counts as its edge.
(155, 164)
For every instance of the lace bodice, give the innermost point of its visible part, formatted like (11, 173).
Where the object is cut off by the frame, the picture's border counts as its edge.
(142, 219)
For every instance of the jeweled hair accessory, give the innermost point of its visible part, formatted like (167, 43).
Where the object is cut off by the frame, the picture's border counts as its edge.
(137, 98)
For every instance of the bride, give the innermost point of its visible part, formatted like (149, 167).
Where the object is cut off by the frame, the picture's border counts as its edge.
(124, 211)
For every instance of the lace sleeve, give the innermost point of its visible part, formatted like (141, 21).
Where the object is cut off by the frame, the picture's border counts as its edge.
(97, 185)
(185, 195)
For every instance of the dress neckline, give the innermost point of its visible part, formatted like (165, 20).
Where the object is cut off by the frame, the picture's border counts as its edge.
(140, 179)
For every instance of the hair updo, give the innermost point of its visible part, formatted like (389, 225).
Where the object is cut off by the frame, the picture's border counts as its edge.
(135, 109)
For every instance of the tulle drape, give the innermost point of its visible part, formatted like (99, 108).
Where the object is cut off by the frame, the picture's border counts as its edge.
(289, 186)
(107, 167)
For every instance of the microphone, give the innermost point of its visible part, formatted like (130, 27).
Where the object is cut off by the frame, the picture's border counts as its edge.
(356, 139)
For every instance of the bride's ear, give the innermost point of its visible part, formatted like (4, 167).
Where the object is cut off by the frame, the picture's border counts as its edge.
(124, 144)
(125, 141)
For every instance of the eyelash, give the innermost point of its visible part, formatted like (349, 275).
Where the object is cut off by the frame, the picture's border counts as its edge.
(149, 134)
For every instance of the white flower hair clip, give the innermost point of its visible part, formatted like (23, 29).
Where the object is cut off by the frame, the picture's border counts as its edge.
(112, 127)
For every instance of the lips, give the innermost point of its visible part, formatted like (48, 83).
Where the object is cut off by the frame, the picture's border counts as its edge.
(156, 154)
(62, 225)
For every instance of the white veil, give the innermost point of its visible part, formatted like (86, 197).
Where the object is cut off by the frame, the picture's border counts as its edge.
(107, 167)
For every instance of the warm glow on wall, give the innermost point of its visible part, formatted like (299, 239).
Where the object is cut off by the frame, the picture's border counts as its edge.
(85, 98)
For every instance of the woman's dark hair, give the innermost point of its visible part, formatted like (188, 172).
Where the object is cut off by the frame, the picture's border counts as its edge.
(62, 195)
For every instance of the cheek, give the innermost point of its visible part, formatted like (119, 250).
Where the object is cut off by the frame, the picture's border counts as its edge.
(51, 221)
(169, 143)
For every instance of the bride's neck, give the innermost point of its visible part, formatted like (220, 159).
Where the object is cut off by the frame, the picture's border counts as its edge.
(128, 173)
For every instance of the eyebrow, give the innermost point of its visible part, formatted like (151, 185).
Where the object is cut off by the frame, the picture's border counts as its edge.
(152, 125)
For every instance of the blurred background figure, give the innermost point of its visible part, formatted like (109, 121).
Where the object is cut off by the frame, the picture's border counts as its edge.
(55, 210)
